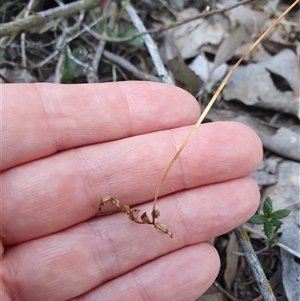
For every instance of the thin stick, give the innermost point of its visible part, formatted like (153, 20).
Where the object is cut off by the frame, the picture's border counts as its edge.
(92, 75)
(216, 95)
(125, 64)
(150, 44)
(61, 47)
(21, 25)
(129, 67)
(254, 264)
(86, 28)
(24, 24)
(203, 15)
(23, 40)
(227, 294)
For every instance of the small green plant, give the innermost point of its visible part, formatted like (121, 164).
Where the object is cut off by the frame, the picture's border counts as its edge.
(271, 223)
(270, 220)
(127, 33)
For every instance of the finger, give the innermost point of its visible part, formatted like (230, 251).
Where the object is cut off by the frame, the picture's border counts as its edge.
(182, 275)
(54, 193)
(52, 118)
(74, 261)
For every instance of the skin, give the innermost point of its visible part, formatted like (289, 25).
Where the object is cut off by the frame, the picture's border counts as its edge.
(66, 146)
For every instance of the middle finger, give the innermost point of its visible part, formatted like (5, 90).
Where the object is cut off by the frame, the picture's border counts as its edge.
(57, 192)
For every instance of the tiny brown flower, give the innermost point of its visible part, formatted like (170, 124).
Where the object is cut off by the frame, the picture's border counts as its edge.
(161, 228)
(145, 219)
(155, 213)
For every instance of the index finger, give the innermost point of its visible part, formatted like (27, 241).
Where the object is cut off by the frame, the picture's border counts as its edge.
(41, 119)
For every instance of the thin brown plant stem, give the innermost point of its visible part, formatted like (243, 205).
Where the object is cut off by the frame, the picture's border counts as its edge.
(216, 95)
(270, 253)
(270, 245)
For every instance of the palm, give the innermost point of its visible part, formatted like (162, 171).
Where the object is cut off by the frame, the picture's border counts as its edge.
(63, 147)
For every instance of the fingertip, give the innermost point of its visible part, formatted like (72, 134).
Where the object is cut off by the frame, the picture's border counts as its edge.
(183, 105)
(248, 149)
(255, 143)
(252, 202)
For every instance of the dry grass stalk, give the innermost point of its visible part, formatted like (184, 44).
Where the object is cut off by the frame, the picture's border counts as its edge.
(132, 213)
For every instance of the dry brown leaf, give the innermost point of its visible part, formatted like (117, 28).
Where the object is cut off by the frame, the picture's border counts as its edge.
(231, 260)
(228, 46)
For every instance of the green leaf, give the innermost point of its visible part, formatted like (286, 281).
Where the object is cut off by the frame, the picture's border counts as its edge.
(69, 70)
(127, 33)
(161, 7)
(266, 267)
(268, 207)
(257, 219)
(70, 66)
(279, 214)
(108, 31)
(276, 223)
(269, 230)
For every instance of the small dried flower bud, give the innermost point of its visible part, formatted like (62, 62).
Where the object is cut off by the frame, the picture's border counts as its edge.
(155, 213)
(161, 228)
(99, 209)
(145, 219)
(103, 200)
(106, 198)
(132, 214)
(115, 202)
(125, 208)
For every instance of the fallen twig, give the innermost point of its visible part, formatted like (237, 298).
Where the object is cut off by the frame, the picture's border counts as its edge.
(227, 294)
(203, 15)
(21, 25)
(92, 75)
(150, 44)
(40, 18)
(23, 42)
(129, 67)
(61, 47)
(254, 264)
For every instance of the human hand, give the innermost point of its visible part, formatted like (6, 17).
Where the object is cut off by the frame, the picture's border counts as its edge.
(66, 146)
